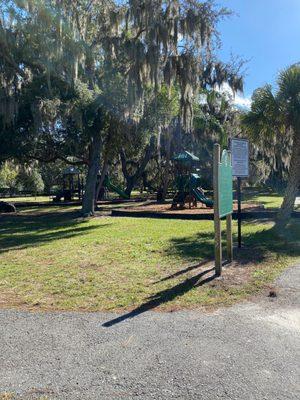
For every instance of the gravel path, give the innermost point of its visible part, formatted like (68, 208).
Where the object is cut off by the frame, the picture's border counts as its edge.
(249, 351)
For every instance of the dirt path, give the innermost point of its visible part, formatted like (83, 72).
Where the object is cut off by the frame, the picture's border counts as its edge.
(249, 351)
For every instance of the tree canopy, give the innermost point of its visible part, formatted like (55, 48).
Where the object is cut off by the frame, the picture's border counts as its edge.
(275, 118)
(76, 75)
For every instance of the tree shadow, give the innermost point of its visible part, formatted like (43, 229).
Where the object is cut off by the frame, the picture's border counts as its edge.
(39, 221)
(285, 242)
(190, 248)
(22, 231)
(257, 248)
(183, 271)
(166, 296)
(256, 245)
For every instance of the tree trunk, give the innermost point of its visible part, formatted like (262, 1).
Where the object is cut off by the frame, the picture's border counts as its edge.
(287, 206)
(88, 203)
(166, 171)
(131, 180)
(125, 170)
(102, 177)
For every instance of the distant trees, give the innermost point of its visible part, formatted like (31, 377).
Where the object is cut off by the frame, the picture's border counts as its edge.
(30, 179)
(275, 118)
(8, 176)
(16, 178)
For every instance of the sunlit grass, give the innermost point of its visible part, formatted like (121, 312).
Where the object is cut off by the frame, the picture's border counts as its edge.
(53, 259)
(268, 200)
(25, 199)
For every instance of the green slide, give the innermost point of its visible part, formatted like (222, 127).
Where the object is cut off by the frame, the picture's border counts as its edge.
(113, 188)
(202, 198)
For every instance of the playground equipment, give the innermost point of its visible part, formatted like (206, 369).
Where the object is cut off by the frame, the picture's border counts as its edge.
(188, 183)
(109, 186)
(71, 185)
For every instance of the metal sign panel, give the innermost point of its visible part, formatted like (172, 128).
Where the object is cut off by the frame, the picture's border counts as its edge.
(240, 157)
(225, 185)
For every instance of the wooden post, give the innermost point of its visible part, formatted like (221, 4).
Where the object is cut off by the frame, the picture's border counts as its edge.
(217, 221)
(229, 237)
(229, 231)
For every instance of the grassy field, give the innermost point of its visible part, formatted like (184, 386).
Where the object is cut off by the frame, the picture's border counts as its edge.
(53, 259)
(269, 200)
(27, 199)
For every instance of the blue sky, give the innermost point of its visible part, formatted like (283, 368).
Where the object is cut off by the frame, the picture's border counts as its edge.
(265, 32)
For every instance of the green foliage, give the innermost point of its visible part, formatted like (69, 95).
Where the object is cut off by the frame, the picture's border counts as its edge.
(30, 180)
(275, 113)
(274, 121)
(274, 124)
(8, 175)
(69, 64)
(52, 175)
(16, 177)
(114, 70)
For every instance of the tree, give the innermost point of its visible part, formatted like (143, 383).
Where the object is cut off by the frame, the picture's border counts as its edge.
(55, 67)
(144, 141)
(72, 71)
(17, 177)
(276, 114)
(30, 179)
(52, 175)
(8, 176)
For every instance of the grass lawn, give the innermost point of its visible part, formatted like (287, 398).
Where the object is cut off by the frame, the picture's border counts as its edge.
(25, 199)
(52, 259)
(269, 200)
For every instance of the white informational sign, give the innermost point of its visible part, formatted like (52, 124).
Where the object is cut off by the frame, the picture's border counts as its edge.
(240, 157)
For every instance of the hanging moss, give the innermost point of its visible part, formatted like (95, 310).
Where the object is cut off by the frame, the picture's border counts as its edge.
(150, 42)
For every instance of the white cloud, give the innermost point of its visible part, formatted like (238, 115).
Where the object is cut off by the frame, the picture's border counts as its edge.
(238, 100)
(241, 101)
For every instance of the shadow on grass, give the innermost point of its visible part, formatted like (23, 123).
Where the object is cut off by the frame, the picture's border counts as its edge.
(259, 244)
(166, 295)
(28, 230)
(182, 271)
(286, 242)
(199, 246)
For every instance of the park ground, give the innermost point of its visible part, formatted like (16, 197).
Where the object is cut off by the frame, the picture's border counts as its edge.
(231, 337)
(52, 259)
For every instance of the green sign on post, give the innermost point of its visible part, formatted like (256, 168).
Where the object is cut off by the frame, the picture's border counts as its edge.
(222, 203)
(225, 185)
